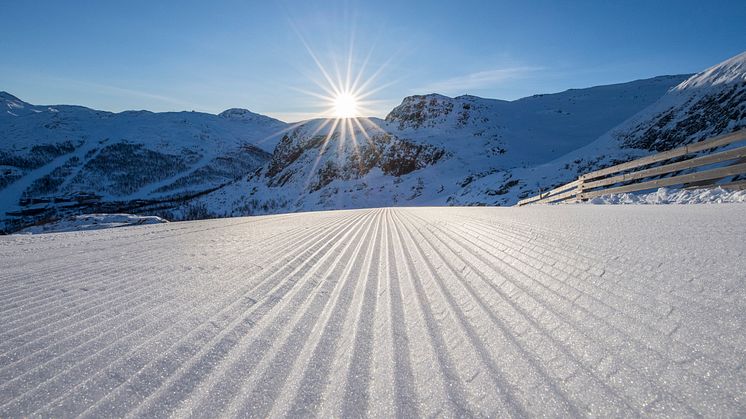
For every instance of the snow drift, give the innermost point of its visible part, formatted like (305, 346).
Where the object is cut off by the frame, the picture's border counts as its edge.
(93, 222)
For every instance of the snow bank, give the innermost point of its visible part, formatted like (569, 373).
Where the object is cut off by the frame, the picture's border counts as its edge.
(674, 196)
(93, 222)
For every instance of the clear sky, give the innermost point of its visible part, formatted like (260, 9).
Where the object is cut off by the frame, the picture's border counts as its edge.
(213, 55)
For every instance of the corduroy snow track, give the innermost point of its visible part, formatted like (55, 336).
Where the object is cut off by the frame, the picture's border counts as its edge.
(407, 312)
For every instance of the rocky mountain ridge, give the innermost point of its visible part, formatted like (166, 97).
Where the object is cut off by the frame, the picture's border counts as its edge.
(429, 150)
(61, 160)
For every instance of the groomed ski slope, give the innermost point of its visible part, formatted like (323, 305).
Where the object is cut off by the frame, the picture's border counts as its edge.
(557, 311)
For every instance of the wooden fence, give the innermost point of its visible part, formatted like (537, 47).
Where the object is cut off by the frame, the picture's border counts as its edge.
(653, 172)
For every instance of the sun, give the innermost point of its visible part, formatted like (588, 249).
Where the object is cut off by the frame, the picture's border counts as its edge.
(345, 97)
(346, 106)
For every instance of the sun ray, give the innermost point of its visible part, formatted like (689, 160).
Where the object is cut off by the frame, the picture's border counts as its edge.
(314, 94)
(348, 75)
(362, 129)
(363, 67)
(321, 126)
(372, 124)
(342, 135)
(377, 73)
(355, 146)
(345, 91)
(321, 152)
(364, 94)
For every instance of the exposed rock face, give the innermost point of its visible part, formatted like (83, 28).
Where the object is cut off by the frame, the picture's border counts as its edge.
(700, 116)
(337, 156)
(707, 104)
(433, 110)
(400, 157)
(421, 110)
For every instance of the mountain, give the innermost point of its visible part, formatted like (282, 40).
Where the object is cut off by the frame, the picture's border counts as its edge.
(60, 160)
(535, 129)
(432, 149)
(707, 104)
(429, 149)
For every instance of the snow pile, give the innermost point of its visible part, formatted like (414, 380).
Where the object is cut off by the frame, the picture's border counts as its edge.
(674, 196)
(93, 222)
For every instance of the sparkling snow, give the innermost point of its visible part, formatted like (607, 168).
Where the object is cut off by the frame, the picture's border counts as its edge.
(675, 196)
(560, 311)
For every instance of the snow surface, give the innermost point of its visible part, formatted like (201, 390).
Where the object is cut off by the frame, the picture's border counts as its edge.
(732, 70)
(674, 196)
(560, 311)
(93, 222)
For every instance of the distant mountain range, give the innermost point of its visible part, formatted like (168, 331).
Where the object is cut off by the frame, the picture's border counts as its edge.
(57, 160)
(430, 150)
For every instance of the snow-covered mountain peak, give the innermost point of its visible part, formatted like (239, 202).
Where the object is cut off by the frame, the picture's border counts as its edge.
(468, 97)
(51, 156)
(416, 111)
(238, 113)
(707, 104)
(430, 150)
(729, 71)
(710, 103)
(245, 115)
(427, 111)
(6, 97)
(12, 105)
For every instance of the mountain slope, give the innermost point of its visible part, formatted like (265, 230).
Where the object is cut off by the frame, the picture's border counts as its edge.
(528, 131)
(710, 103)
(429, 149)
(60, 159)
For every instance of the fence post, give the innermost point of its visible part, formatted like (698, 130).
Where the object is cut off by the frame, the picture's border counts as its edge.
(579, 189)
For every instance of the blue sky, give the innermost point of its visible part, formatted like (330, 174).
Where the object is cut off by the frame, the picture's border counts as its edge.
(209, 56)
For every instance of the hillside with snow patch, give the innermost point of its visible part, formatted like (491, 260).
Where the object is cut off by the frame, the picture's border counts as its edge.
(710, 103)
(61, 160)
(429, 149)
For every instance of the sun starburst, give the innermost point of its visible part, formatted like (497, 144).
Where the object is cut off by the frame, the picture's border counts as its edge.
(345, 106)
(345, 102)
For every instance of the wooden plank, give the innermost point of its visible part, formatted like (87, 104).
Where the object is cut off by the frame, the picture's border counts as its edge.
(675, 180)
(580, 188)
(672, 167)
(719, 141)
(736, 186)
(559, 197)
(564, 187)
(548, 194)
(529, 200)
